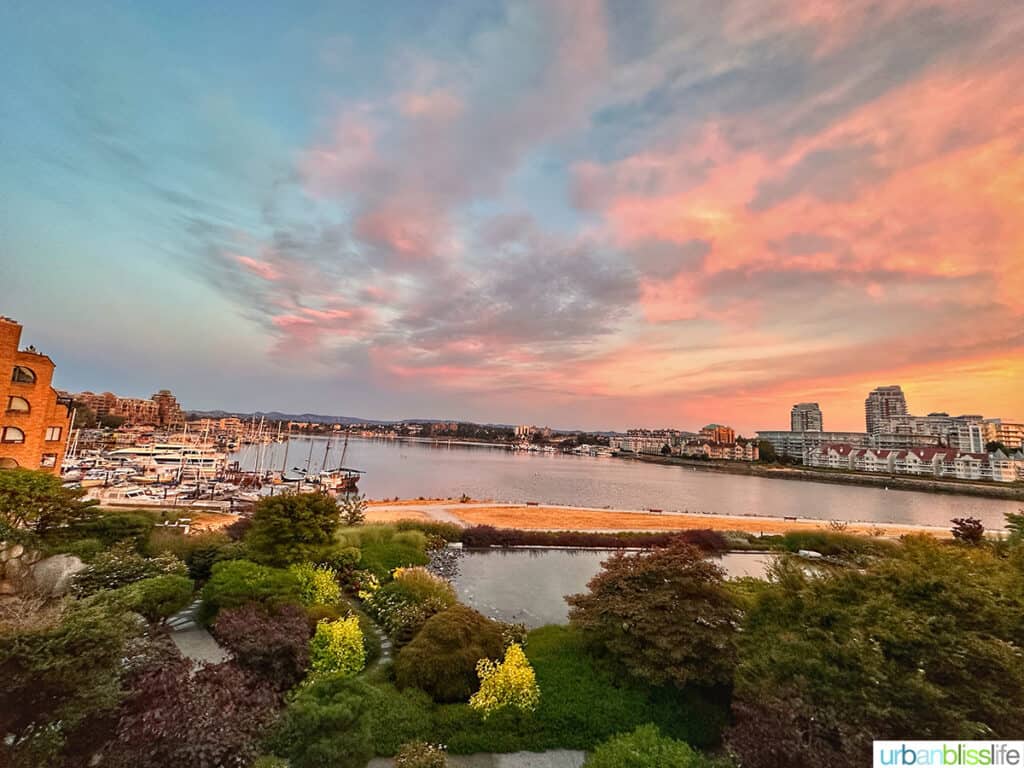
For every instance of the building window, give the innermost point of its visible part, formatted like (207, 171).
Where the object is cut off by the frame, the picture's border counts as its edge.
(53, 433)
(12, 435)
(23, 375)
(17, 404)
(48, 460)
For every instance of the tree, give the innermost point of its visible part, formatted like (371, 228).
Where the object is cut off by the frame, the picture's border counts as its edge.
(85, 417)
(665, 616)
(766, 451)
(120, 566)
(292, 529)
(207, 718)
(968, 530)
(110, 421)
(994, 445)
(926, 640)
(353, 509)
(38, 501)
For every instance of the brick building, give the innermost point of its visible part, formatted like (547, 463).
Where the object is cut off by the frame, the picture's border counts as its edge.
(161, 409)
(36, 420)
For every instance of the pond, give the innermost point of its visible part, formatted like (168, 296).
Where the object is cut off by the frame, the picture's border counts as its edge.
(530, 585)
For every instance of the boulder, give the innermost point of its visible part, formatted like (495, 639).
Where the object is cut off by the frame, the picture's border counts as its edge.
(52, 575)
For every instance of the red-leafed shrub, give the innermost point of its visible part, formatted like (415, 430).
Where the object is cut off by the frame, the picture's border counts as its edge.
(209, 719)
(271, 642)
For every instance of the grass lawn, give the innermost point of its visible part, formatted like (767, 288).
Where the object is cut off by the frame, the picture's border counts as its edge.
(581, 705)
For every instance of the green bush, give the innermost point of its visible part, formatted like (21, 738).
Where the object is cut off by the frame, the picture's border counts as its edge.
(834, 544)
(398, 717)
(292, 529)
(646, 747)
(159, 597)
(234, 583)
(326, 725)
(442, 658)
(112, 527)
(318, 584)
(122, 565)
(446, 531)
(200, 551)
(86, 549)
(382, 558)
(337, 648)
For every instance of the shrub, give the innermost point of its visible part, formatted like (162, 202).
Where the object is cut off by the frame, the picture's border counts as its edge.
(111, 528)
(122, 565)
(488, 536)
(39, 502)
(292, 529)
(666, 616)
(271, 642)
(404, 604)
(344, 561)
(318, 584)
(207, 718)
(233, 583)
(85, 549)
(337, 648)
(200, 551)
(645, 747)
(511, 683)
(833, 544)
(382, 558)
(160, 596)
(61, 678)
(420, 754)
(446, 531)
(398, 717)
(326, 725)
(442, 658)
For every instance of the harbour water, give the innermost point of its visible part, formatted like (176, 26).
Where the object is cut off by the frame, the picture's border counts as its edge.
(410, 470)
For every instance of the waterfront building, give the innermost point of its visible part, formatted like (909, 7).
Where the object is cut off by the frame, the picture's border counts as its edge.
(795, 444)
(36, 418)
(920, 462)
(719, 433)
(883, 403)
(806, 417)
(1009, 433)
(160, 410)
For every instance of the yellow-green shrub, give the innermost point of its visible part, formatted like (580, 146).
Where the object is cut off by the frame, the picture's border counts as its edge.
(337, 648)
(318, 584)
(508, 684)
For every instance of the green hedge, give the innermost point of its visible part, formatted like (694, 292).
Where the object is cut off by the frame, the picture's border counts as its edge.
(234, 583)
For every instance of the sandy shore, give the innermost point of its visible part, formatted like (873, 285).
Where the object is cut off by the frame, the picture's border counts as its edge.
(590, 519)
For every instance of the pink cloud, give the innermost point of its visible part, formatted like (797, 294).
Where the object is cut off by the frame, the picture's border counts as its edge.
(259, 268)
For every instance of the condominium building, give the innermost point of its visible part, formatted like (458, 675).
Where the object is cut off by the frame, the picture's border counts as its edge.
(921, 462)
(719, 433)
(36, 419)
(161, 409)
(169, 412)
(881, 404)
(1009, 433)
(805, 417)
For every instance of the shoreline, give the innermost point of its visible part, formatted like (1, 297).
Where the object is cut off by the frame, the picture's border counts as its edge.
(993, 490)
(593, 519)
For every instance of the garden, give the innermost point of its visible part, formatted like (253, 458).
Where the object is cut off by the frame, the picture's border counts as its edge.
(347, 641)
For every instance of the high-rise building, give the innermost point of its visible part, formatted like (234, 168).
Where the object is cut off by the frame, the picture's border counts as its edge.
(882, 404)
(805, 417)
(35, 420)
(169, 412)
(719, 433)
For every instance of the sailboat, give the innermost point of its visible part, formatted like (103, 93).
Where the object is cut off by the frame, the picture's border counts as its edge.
(340, 479)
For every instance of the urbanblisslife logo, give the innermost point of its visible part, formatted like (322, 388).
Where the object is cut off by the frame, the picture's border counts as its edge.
(950, 754)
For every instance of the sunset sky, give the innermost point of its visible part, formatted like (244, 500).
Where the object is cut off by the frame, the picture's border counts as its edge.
(574, 213)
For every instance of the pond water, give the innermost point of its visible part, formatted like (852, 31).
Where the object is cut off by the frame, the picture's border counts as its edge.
(530, 585)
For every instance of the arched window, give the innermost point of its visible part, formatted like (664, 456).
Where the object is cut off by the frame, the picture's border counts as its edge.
(17, 404)
(6, 463)
(23, 375)
(12, 435)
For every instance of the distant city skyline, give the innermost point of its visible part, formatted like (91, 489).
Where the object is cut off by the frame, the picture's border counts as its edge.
(585, 214)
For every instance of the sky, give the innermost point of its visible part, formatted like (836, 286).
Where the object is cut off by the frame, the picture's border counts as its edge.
(569, 212)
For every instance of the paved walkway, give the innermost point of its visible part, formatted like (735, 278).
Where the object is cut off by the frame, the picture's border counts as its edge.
(558, 758)
(192, 639)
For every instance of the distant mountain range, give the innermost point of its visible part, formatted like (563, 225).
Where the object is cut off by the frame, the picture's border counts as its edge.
(319, 418)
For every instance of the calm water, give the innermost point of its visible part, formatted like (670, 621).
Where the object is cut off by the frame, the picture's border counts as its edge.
(530, 585)
(420, 469)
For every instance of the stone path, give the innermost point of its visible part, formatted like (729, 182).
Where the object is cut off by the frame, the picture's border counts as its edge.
(557, 758)
(192, 639)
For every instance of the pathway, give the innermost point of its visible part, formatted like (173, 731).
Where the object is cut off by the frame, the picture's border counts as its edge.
(557, 758)
(192, 639)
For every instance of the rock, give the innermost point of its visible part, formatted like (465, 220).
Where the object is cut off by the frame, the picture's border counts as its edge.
(8, 588)
(32, 556)
(15, 570)
(15, 552)
(52, 576)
